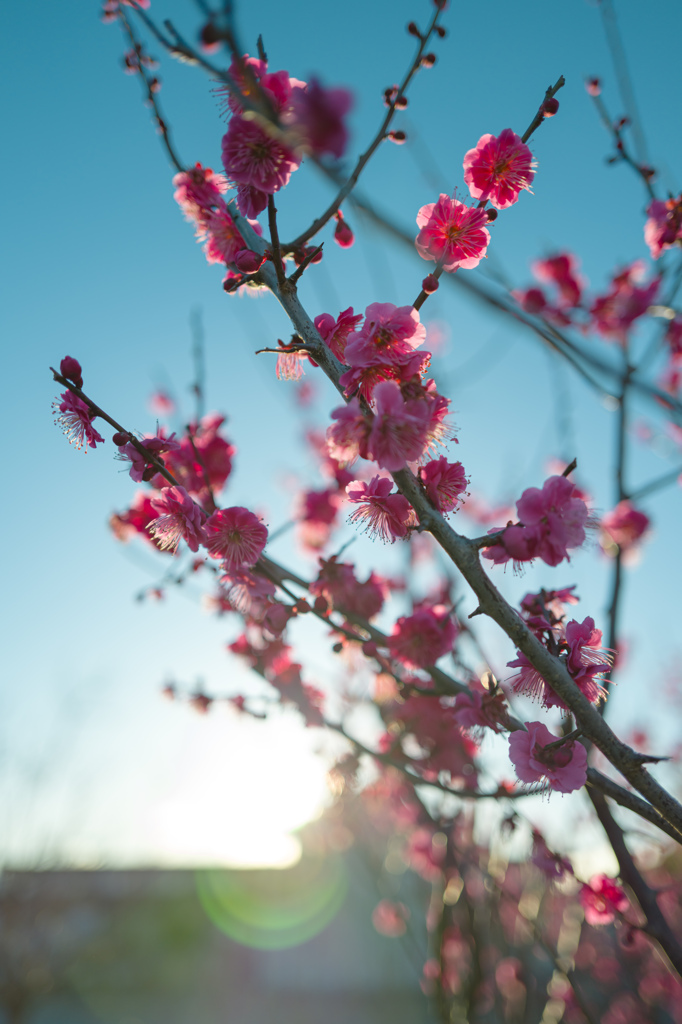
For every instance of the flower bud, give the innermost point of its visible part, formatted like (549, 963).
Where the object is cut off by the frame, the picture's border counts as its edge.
(71, 369)
(413, 30)
(302, 607)
(430, 284)
(550, 107)
(369, 648)
(441, 31)
(337, 648)
(397, 137)
(401, 103)
(491, 213)
(120, 438)
(343, 234)
(248, 261)
(321, 605)
(593, 86)
(428, 60)
(209, 38)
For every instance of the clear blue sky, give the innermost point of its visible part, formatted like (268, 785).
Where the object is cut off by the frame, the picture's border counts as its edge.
(99, 264)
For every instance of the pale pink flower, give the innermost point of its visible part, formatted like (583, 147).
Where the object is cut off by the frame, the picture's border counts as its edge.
(602, 898)
(289, 364)
(335, 333)
(252, 157)
(420, 639)
(180, 519)
(75, 419)
(399, 429)
(386, 515)
(664, 225)
(453, 233)
(317, 117)
(625, 526)
(563, 767)
(347, 438)
(444, 482)
(236, 536)
(498, 168)
(389, 335)
(390, 918)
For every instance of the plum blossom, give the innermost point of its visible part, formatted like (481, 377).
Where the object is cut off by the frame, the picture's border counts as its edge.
(563, 767)
(561, 270)
(257, 160)
(347, 438)
(199, 192)
(602, 898)
(335, 333)
(664, 225)
(628, 298)
(554, 866)
(390, 918)
(180, 519)
(317, 116)
(551, 520)
(583, 656)
(623, 528)
(204, 458)
(480, 708)
(399, 429)
(497, 168)
(140, 467)
(420, 639)
(236, 536)
(386, 515)
(389, 335)
(453, 233)
(75, 418)
(444, 482)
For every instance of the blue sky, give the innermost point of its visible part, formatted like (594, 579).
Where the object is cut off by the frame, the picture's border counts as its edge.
(99, 264)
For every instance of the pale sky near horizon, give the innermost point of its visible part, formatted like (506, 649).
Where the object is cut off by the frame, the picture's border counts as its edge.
(99, 264)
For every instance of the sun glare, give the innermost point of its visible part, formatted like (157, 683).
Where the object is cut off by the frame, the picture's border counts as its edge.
(245, 787)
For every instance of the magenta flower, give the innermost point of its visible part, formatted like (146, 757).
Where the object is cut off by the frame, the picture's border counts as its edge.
(399, 431)
(624, 527)
(602, 898)
(498, 168)
(420, 639)
(252, 157)
(385, 515)
(480, 708)
(453, 233)
(563, 767)
(236, 536)
(75, 419)
(664, 225)
(335, 333)
(389, 335)
(613, 314)
(180, 519)
(317, 116)
(199, 192)
(552, 520)
(156, 446)
(562, 271)
(444, 482)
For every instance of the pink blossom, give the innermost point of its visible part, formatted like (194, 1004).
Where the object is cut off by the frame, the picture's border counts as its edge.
(140, 467)
(444, 483)
(453, 233)
(363, 380)
(223, 240)
(420, 639)
(316, 516)
(289, 364)
(335, 333)
(551, 864)
(236, 536)
(614, 313)
(664, 225)
(399, 429)
(75, 418)
(343, 233)
(199, 192)
(563, 767)
(206, 457)
(250, 200)
(386, 515)
(338, 585)
(498, 168)
(252, 157)
(562, 271)
(347, 438)
(480, 708)
(390, 918)
(552, 520)
(624, 526)
(389, 335)
(602, 898)
(180, 519)
(135, 520)
(584, 657)
(317, 116)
